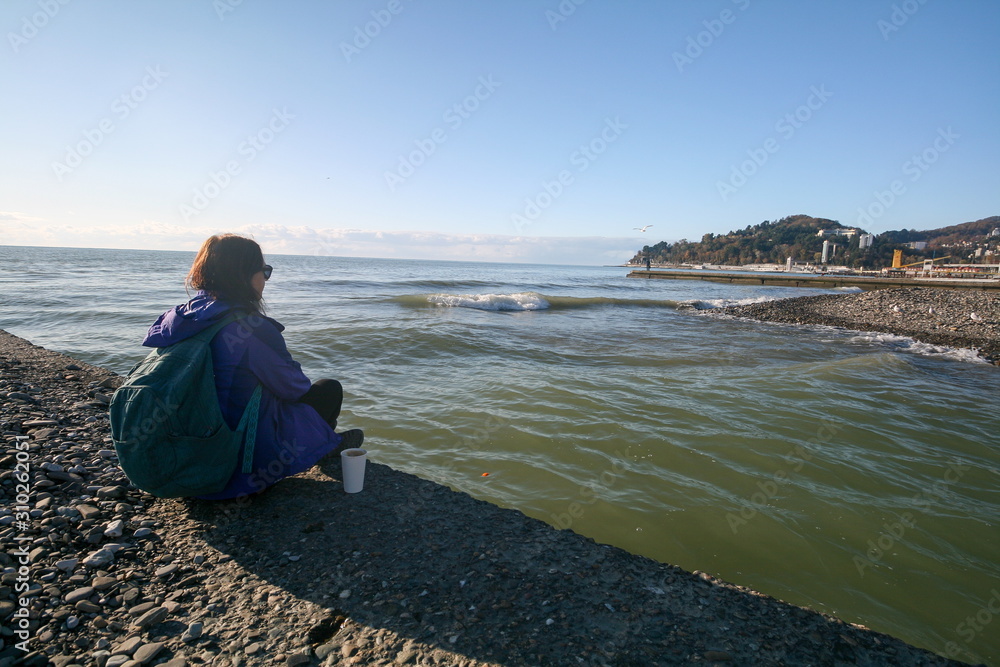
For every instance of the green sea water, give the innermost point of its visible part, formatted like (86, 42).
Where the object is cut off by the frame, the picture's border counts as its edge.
(854, 473)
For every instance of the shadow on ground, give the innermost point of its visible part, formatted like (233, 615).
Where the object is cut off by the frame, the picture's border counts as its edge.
(447, 571)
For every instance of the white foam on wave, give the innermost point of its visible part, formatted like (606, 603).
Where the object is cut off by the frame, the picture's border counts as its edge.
(714, 304)
(496, 302)
(848, 288)
(905, 344)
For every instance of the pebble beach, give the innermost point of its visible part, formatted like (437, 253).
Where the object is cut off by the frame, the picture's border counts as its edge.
(96, 572)
(967, 319)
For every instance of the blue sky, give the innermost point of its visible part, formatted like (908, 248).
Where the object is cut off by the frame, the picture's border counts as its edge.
(514, 131)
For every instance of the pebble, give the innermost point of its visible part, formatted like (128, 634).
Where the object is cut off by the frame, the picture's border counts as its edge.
(79, 594)
(67, 565)
(147, 652)
(140, 609)
(129, 646)
(103, 583)
(166, 570)
(114, 529)
(152, 617)
(717, 656)
(935, 316)
(87, 607)
(192, 633)
(88, 511)
(99, 558)
(108, 492)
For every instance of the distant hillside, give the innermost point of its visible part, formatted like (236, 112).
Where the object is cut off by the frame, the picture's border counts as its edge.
(946, 236)
(798, 237)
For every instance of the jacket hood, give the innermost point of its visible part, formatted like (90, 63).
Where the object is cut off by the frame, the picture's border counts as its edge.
(188, 319)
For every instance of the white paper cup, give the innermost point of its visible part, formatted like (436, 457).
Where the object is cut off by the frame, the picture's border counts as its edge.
(353, 466)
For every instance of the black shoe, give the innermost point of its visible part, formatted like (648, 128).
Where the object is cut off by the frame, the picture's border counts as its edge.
(348, 440)
(351, 439)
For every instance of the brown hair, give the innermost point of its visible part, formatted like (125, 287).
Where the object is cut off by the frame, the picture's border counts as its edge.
(223, 268)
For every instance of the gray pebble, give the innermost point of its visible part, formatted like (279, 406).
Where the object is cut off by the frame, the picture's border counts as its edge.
(79, 594)
(147, 652)
(99, 558)
(152, 617)
(193, 632)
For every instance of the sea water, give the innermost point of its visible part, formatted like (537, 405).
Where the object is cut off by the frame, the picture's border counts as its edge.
(854, 473)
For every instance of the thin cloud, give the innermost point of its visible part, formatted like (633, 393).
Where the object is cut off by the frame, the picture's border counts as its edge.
(304, 240)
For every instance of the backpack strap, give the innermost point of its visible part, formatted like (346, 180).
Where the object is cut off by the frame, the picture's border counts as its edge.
(248, 425)
(208, 333)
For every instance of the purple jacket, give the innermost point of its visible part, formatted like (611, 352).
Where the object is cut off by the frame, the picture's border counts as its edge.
(291, 436)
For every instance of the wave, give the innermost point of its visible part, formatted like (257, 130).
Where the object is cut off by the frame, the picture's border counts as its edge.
(525, 301)
(907, 344)
(715, 304)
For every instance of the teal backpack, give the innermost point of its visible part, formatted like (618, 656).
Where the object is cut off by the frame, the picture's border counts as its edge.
(167, 426)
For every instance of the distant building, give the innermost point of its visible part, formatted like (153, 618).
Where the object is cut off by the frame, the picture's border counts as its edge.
(866, 241)
(837, 232)
(916, 245)
(826, 251)
(995, 232)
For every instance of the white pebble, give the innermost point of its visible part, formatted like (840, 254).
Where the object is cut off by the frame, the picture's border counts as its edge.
(114, 529)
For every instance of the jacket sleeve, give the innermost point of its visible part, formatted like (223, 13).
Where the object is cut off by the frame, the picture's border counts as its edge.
(272, 364)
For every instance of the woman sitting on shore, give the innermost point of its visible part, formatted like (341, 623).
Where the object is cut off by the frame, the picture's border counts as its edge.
(296, 422)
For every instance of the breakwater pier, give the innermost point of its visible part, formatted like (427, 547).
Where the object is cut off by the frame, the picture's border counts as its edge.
(824, 281)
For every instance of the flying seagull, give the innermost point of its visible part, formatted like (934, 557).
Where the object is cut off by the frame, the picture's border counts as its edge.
(643, 228)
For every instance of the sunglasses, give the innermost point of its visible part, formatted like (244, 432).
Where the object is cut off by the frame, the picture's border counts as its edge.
(266, 270)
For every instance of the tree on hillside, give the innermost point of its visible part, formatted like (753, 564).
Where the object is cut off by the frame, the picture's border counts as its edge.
(797, 236)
